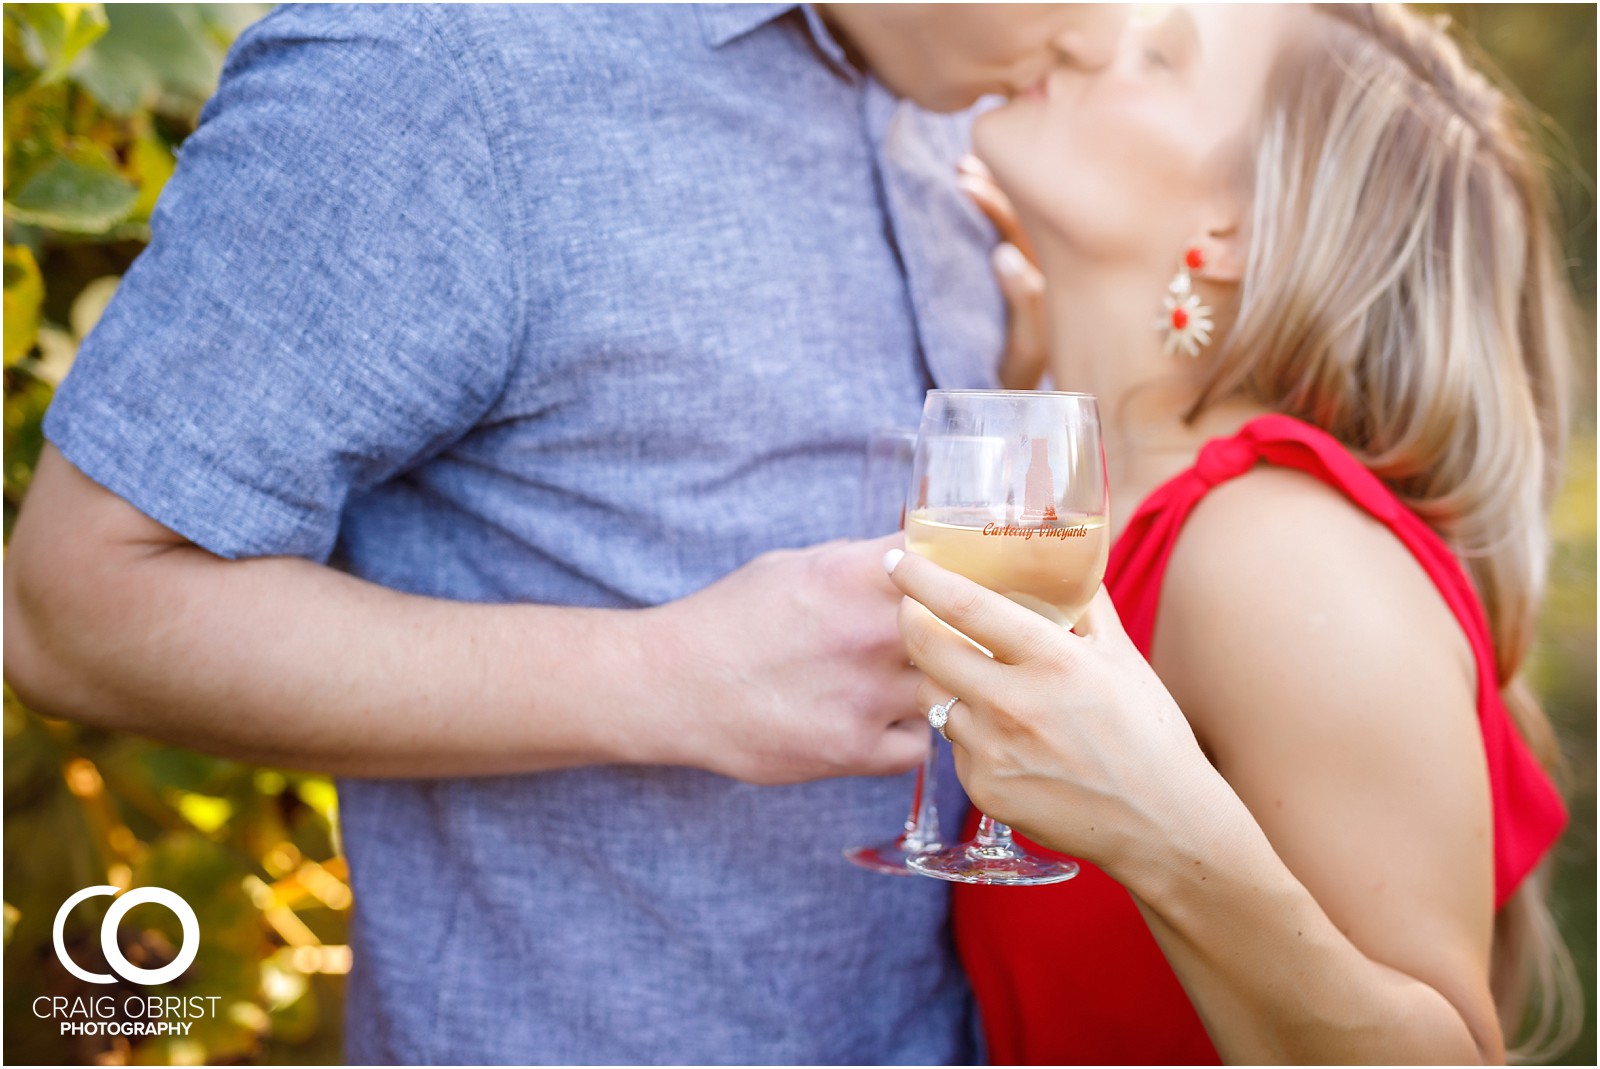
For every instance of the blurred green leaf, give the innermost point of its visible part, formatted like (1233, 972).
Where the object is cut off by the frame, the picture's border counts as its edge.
(90, 305)
(204, 812)
(320, 796)
(81, 196)
(24, 294)
(152, 163)
(60, 33)
(25, 404)
(20, 71)
(151, 52)
(88, 151)
(32, 758)
(233, 944)
(290, 1000)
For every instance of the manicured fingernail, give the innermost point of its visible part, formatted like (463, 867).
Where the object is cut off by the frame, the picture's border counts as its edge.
(1008, 260)
(891, 560)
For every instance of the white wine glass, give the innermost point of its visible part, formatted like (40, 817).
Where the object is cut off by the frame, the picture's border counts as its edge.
(885, 480)
(1008, 488)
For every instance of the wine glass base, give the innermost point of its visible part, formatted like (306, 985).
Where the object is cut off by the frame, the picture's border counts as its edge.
(892, 858)
(1003, 865)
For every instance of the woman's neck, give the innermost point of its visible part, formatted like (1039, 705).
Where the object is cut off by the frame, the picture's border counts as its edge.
(1104, 341)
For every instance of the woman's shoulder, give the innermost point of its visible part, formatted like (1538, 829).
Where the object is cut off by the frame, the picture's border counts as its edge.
(1279, 518)
(1332, 687)
(1285, 599)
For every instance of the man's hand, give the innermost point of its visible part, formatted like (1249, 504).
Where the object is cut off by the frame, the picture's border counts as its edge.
(791, 669)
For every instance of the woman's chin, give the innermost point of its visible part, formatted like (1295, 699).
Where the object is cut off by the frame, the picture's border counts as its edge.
(995, 134)
(1008, 141)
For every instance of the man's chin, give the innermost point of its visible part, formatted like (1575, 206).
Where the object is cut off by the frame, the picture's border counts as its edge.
(943, 98)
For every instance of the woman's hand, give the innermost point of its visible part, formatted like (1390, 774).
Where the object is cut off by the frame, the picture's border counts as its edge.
(1017, 272)
(1072, 739)
(1068, 737)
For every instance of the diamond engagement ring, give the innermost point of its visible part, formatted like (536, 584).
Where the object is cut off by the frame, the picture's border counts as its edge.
(939, 716)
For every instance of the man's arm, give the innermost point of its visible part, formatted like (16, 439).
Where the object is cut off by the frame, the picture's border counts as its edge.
(789, 669)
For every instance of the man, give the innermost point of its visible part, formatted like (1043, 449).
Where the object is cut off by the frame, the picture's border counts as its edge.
(551, 328)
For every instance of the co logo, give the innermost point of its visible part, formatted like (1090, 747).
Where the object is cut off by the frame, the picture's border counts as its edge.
(108, 935)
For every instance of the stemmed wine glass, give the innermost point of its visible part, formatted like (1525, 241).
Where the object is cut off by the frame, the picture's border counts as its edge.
(884, 482)
(1009, 489)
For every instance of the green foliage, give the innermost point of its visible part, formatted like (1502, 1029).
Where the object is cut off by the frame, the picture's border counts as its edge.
(97, 100)
(58, 33)
(24, 295)
(77, 191)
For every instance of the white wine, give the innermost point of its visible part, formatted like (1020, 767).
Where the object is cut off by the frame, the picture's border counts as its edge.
(1009, 489)
(1052, 565)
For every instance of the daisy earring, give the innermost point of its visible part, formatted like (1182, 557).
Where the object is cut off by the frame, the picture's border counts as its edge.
(1185, 322)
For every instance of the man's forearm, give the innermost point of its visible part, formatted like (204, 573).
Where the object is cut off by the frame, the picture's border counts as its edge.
(785, 670)
(283, 661)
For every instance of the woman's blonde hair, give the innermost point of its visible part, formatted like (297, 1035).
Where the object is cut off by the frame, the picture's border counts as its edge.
(1405, 291)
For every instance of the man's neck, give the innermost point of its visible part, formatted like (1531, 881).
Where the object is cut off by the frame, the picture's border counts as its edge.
(830, 18)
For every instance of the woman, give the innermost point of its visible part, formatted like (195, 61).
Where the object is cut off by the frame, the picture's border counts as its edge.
(1330, 467)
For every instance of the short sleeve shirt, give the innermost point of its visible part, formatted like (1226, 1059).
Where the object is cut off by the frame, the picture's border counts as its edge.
(575, 305)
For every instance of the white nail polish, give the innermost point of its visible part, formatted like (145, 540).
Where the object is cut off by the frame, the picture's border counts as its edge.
(891, 560)
(1008, 259)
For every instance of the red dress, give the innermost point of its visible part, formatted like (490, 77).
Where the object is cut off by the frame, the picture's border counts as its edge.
(1069, 974)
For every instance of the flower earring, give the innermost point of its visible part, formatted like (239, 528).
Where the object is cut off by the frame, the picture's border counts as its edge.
(1186, 322)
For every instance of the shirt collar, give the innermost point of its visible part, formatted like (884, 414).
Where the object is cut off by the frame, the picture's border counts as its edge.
(723, 23)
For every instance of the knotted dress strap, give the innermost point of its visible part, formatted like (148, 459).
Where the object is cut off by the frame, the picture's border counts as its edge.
(1528, 812)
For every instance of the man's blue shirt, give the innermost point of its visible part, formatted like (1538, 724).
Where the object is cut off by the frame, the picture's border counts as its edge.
(571, 305)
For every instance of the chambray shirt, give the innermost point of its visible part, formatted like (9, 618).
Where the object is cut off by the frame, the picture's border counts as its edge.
(578, 306)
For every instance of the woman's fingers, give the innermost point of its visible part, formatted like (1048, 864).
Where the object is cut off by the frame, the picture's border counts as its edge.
(1017, 273)
(1100, 619)
(971, 165)
(941, 654)
(998, 624)
(1027, 352)
(932, 693)
(976, 181)
(992, 203)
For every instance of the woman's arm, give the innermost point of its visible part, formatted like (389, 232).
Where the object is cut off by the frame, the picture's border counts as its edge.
(1330, 900)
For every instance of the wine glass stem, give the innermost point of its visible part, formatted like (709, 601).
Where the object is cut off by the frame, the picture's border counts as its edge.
(922, 824)
(993, 835)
